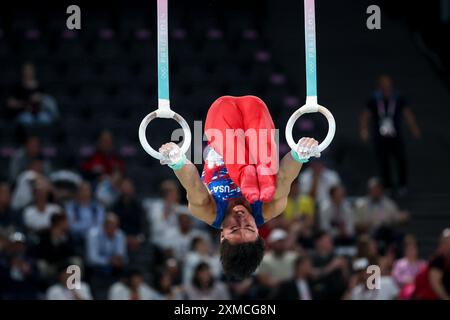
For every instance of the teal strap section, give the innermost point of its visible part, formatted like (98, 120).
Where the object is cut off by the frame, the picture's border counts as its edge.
(163, 51)
(310, 49)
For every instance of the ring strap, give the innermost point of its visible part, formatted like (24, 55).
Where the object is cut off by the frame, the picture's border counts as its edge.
(310, 49)
(164, 110)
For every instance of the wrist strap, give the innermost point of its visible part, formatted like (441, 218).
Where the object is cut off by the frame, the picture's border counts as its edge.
(297, 158)
(180, 164)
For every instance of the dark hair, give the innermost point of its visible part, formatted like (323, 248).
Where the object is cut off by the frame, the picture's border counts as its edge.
(160, 273)
(57, 218)
(196, 281)
(319, 234)
(241, 260)
(300, 260)
(333, 190)
(195, 241)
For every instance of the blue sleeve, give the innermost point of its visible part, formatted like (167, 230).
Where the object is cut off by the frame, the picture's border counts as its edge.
(93, 252)
(76, 226)
(121, 246)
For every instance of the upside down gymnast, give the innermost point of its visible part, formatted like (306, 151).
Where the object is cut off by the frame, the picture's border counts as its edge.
(243, 184)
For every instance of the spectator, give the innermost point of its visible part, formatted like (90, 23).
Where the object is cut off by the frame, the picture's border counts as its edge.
(367, 247)
(300, 286)
(330, 271)
(162, 213)
(200, 252)
(23, 192)
(317, 180)
(37, 216)
(433, 281)
(60, 290)
(360, 290)
(406, 268)
(132, 287)
(28, 103)
(107, 191)
(106, 255)
(386, 110)
(379, 214)
(303, 232)
(8, 216)
(106, 245)
(24, 156)
(166, 288)
(55, 246)
(65, 185)
(204, 287)
(19, 279)
(337, 216)
(104, 161)
(298, 205)
(177, 241)
(131, 215)
(277, 264)
(84, 213)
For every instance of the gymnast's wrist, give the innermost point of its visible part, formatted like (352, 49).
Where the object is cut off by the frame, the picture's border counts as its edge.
(179, 164)
(297, 158)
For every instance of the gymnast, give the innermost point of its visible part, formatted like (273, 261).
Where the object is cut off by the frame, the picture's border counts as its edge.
(243, 184)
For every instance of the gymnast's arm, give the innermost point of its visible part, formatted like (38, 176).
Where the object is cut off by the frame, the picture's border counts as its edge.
(201, 203)
(288, 171)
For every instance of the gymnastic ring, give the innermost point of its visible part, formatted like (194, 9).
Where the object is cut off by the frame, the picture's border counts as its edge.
(173, 115)
(311, 108)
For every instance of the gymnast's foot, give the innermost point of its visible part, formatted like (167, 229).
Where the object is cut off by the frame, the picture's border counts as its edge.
(249, 184)
(267, 183)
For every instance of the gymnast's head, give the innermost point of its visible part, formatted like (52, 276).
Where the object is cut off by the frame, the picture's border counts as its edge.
(241, 247)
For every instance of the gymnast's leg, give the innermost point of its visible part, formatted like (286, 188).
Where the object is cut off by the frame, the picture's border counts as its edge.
(249, 155)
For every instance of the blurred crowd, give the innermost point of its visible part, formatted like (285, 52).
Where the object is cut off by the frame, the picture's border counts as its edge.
(61, 213)
(152, 248)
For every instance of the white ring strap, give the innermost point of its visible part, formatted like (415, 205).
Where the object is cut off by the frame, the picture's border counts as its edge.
(163, 110)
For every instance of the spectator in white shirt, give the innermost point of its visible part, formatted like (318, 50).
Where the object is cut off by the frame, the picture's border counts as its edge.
(277, 264)
(362, 287)
(176, 242)
(61, 291)
(165, 286)
(200, 252)
(336, 214)
(317, 180)
(132, 287)
(36, 217)
(162, 212)
(204, 287)
(23, 191)
(376, 210)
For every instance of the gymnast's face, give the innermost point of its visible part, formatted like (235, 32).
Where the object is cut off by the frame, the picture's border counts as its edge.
(239, 225)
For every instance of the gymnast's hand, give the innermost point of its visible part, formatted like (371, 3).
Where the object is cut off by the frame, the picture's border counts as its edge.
(171, 153)
(307, 148)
